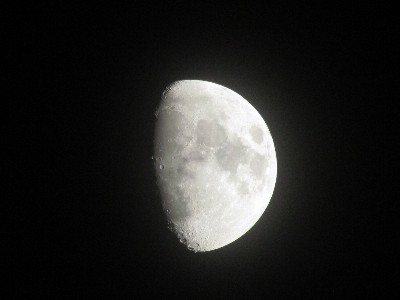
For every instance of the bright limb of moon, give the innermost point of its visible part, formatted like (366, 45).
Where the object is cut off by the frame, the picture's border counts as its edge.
(215, 162)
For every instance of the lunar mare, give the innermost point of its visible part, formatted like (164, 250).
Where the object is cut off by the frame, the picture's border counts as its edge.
(215, 163)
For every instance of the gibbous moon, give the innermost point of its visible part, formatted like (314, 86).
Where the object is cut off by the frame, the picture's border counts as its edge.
(215, 163)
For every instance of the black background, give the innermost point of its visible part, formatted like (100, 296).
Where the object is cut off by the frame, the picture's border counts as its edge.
(85, 82)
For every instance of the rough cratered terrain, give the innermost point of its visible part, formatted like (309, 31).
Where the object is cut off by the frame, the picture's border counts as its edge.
(215, 163)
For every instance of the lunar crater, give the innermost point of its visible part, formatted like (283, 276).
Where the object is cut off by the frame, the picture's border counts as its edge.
(176, 203)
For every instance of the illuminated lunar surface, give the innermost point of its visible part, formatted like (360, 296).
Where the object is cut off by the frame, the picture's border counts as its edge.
(215, 163)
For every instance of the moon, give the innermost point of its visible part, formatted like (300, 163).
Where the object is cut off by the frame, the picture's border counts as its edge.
(215, 163)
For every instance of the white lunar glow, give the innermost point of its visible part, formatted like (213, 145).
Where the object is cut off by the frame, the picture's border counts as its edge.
(215, 162)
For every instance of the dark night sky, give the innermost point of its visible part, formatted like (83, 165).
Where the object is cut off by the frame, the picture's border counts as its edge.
(86, 81)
